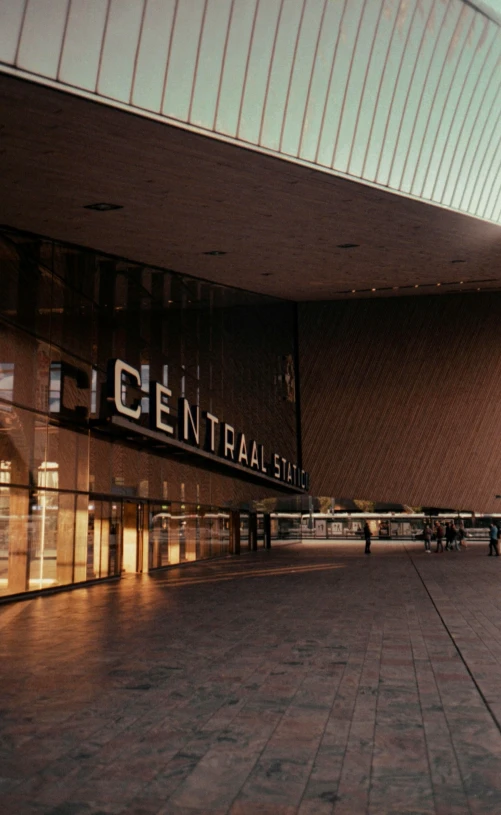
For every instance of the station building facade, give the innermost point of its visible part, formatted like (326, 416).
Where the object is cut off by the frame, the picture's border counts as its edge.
(293, 268)
(137, 407)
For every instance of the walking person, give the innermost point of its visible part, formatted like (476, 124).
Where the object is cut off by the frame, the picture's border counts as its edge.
(439, 533)
(493, 540)
(427, 539)
(461, 536)
(453, 534)
(367, 536)
(448, 539)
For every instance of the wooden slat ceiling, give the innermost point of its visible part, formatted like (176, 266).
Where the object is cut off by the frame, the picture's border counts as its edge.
(401, 94)
(281, 225)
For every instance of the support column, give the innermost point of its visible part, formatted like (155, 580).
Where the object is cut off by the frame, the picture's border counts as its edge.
(234, 532)
(253, 531)
(267, 530)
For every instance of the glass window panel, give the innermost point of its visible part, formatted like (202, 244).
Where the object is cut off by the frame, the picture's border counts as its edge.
(183, 54)
(46, 518)
(42, 36)
(209, 63)
(10, 29)
(152, 55)
(82, 43)
(119, 49)
(69, 451)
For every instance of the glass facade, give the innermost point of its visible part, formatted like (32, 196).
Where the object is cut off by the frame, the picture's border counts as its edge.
(77, 504)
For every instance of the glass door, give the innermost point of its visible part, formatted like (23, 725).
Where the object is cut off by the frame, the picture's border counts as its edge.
(131, 534)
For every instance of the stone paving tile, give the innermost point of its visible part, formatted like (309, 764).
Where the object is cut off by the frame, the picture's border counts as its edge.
(308, 680)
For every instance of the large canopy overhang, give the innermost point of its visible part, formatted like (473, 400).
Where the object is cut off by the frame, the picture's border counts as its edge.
(403, 95)
(284, 229)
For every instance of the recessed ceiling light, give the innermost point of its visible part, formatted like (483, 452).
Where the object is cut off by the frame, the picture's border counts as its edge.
(458, 261)
(103, 207)
(416, 285)
(439, 284)
(373, 289)
(461, 282)
(353, 291)
(348, 245)
(215, 253)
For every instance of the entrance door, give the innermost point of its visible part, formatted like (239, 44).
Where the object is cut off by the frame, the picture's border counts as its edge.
(135, 538)
(130, 553)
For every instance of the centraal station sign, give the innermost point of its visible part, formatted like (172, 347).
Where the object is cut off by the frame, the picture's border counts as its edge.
(202, 431)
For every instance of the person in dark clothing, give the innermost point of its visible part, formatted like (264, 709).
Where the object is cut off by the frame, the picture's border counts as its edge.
(453, 535)
(493, 540)
(427, 538)
(367, 536)
(439, 533)
(448, 539)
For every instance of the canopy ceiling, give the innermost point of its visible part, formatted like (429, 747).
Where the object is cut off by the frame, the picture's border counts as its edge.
(281, 228)
(404, 95)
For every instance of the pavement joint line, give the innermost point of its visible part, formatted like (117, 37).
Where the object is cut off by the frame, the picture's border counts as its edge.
(452, 639)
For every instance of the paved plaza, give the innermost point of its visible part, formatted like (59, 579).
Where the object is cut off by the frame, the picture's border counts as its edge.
(308, 679)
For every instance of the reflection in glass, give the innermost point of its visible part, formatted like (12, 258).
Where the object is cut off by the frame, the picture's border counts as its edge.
(6, 383)
(5, 475)
(179, 534)
(102, 539)
(93, 393)
(55, 388)
(64, 312)
(159, 540)
(43, 526)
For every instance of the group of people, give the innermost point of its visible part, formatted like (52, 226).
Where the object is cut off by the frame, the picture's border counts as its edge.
(454, 536)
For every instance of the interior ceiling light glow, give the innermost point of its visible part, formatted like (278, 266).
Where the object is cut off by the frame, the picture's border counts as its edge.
(348, 245)
(439, 284)
(373, 289)
(215, 253)
(353, 291)
(416, 285)
(103, 207)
